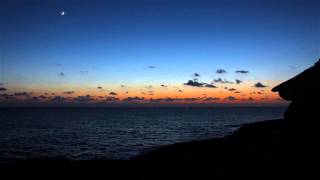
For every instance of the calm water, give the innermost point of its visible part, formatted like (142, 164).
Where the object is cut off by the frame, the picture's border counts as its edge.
(114, 133)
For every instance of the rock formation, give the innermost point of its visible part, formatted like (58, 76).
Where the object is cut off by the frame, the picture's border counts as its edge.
(304, 92)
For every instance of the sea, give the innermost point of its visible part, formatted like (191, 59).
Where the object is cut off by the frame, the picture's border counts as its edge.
(115, 133)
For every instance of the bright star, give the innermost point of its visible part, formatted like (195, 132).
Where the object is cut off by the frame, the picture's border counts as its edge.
(62, 13)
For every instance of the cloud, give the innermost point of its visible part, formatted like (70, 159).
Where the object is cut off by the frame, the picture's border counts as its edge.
(122, 86)
(237, 92)
(194, 83)
(168, 99)
(180, 90)
(149, 87)
(33, 99)
(232, 89)
(68, 92)
(198, 84)
(61, 74)
(219, 80)
(211, 99)
(43, 97)
(7, 96)
(136, 98)
(113, 93)
(111, 99)
(86, 98)
(151, 67)
(22, 94)
(2, 89)
(238, 81)
(191, 99)
(99, 87)
(84, 72)
(230, 98)
(259, 85)
(221, 71)
(58, 99)
(162, 85)
(196, 75)
(242, 71)
(210, 86)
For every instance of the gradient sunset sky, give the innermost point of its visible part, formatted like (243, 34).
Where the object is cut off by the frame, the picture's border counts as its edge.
(154, 51)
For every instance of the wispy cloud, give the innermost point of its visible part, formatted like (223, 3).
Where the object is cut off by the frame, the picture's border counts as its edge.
(7, 97)
(130, 99)
(25, 94)
(242, 71)
(210, 85)
(68, 92)
(230, 98)
(211, 99)
(149, 87)
(84, 72)
(219, 80)
(43, 97)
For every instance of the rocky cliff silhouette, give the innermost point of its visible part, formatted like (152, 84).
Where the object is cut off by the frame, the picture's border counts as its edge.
(275, 149)
(304, 92)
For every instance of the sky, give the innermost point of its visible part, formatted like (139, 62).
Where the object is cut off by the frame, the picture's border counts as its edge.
(117, 52)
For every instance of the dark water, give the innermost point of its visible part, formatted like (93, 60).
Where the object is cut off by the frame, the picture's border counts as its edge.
(114, 133)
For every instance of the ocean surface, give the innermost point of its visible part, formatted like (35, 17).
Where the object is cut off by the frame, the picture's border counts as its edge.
(114, 133)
